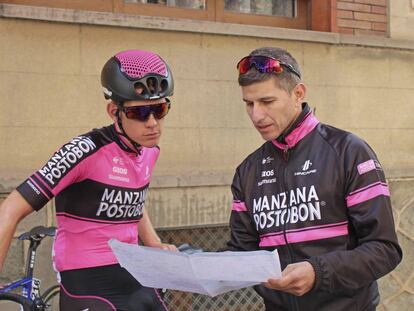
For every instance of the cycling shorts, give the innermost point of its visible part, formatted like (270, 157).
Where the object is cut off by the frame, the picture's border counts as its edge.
(106, 288)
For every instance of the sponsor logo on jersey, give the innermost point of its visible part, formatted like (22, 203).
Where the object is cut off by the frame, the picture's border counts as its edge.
(296, 205)
(305, 169)
(266, 181)
(120, 170)
(118, 204)
(66, 157)
(119, 178)
(265, 174)
(368, 166)
(33, 187)
(267, 160)
(268, 173)
(307, 165)
(117, 160)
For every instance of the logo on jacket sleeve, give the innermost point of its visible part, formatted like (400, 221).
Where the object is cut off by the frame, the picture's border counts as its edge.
(66, 158)
(368, 166)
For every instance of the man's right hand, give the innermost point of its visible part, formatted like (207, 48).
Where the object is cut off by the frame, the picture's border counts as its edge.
(297, 279)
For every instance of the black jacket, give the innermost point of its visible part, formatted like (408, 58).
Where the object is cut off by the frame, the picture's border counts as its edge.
(317, 194)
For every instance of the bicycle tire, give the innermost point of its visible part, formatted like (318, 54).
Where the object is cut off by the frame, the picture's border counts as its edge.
(49, 295)
(25, 303)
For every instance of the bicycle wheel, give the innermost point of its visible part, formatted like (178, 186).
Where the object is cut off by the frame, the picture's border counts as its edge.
(51, 298)
(13, 302)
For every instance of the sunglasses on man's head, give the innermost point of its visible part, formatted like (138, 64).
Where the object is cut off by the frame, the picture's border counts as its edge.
(142, 113)
(264, 64)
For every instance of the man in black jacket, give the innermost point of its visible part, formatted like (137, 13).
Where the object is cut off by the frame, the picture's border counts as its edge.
(315, 193)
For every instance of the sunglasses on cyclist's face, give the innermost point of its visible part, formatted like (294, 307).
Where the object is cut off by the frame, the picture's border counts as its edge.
(263, 64)
(142, 113)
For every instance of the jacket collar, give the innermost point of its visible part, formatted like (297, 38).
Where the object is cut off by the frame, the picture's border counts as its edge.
(303, 125)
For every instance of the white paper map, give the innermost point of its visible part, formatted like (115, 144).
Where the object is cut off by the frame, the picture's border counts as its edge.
(203, 273)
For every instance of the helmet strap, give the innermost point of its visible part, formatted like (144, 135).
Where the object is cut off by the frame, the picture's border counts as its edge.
(135, 145)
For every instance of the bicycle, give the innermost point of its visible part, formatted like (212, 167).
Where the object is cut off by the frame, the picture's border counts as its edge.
(31, 298)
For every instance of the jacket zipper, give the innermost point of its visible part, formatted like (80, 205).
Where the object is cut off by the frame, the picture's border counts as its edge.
(292, 299)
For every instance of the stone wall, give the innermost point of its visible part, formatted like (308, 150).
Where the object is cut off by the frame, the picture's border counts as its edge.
(397, 288)
(401, 19)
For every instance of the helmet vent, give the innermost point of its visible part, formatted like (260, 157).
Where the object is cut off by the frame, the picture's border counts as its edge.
(164, 85)
(139, 88)
(152, 85)
(137, 64)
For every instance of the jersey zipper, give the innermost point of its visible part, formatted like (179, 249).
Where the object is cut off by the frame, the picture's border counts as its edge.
(292, 299)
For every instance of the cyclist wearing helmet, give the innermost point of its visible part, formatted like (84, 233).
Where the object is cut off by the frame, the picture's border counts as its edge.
(99, 181)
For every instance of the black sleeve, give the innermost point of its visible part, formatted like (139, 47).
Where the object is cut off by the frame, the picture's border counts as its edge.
(244, 236)
(371, 224)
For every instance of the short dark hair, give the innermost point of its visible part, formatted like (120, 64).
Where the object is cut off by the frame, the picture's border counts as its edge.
(287, 79)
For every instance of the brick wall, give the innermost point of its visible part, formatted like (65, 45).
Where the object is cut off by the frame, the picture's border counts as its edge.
(363, 17)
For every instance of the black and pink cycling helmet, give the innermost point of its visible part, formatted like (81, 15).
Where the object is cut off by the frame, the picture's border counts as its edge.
(132, 70)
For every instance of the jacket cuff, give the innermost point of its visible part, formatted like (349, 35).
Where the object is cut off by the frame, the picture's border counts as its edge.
(321, 276)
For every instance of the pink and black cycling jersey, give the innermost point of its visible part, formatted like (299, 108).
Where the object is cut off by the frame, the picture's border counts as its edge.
(99, 185)
(318, 194)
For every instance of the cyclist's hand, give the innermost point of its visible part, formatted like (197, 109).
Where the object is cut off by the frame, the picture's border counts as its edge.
(165, 246)
(297, 279)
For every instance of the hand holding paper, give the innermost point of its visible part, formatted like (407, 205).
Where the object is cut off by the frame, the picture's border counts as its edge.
(297, 279)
